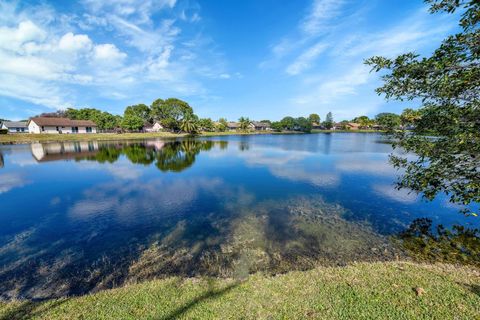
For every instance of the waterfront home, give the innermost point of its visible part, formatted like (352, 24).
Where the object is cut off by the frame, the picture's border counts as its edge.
(156, 127)
(60, 125)
(233, 125)
(346, 126)
(260, 126)
(15, 126)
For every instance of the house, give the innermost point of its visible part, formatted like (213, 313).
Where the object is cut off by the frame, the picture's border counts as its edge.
(156, 127)
(60, 125)
(15, 126)
(317, 126)
(233, 125)
(261, 126)
(346, 126)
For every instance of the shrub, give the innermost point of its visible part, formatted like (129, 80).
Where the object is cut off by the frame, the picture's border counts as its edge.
(3, 131)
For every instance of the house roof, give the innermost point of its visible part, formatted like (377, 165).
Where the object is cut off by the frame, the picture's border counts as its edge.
(64, 122)
(260, 124)
(233, 125)
(15, 124)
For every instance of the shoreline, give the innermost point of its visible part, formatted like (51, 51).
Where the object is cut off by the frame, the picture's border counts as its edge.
(368, 289)
(21, 138)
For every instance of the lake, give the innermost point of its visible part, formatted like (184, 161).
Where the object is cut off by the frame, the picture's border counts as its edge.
(79, 217)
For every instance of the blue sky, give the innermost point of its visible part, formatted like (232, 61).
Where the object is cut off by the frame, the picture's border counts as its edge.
(264, 59)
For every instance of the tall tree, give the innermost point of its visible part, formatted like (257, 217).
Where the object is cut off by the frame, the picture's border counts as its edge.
(314, 118)
(389, 121)
(288, 123)
(244, 123)
(170, 112)
(140, 110)
(189, 124)
(447, 86)
(222, 124)
(328, 123)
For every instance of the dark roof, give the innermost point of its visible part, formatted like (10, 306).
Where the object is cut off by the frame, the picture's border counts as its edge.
(260, 124)
(15, 124)
(64, 122)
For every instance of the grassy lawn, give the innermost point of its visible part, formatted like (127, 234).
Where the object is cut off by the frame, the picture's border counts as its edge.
(359, 291)
(26, 138)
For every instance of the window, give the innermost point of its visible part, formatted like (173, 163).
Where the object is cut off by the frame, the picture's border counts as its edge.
(89, 129)
(57, 129)
(18, 129)
(43, 128)
(74, 129)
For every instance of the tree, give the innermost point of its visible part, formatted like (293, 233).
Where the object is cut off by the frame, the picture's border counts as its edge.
(314, 118)
(189, 124)
(303, 124)
(170, 112)
(328, 123)
(132, 122)
(206, 124)
(104, 120)
(288, 123)
(446, 84)
(277, 126)
(363, 121)
(389, 121)
(244, 123)
(222, 124)
(409, 117)
(140, 110)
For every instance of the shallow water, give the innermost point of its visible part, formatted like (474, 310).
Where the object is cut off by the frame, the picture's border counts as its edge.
(81, 217)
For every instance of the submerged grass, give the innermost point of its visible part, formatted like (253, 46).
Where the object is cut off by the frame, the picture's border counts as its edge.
(359, 291)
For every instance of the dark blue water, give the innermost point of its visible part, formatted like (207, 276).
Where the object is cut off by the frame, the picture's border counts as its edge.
(80, 217)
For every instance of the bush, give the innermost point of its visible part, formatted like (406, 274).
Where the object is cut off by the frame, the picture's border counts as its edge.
(3, 131)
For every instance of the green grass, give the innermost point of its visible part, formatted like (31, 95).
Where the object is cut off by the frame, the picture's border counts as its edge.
(26, 138)
(359, 291)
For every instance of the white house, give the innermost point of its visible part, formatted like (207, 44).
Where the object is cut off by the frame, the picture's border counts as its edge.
(60, 125)
(156, 127)
(15, 126)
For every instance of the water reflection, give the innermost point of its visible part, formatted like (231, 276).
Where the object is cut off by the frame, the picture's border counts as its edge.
(173, 156)
(78, 217)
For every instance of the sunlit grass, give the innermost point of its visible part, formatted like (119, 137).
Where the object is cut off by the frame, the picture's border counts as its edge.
(359, 291)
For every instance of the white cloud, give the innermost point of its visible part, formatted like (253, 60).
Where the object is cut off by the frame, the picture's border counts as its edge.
(304, 61)
(9, 181)
(321, 13)
(73, 43)
(108, 54)
(14, 38)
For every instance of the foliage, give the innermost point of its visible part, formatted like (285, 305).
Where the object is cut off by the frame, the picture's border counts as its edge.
(189, 124)
(139, 110)
(458, 245)
(328, 123)
(3, 131)
(132, 122)
(389, 121)
(288, 123)
(314, 118)
(410, 117)
(222, 124)
(170, 112)
(244, 123)
(206, 124)
(303, 124)
(277, 126)
(364, 121)
(447, 84)
(104, 120)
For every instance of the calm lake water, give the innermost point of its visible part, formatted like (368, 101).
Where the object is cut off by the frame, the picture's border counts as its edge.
(80, 217)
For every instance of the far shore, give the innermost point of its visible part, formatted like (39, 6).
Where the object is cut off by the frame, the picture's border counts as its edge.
(18, 138)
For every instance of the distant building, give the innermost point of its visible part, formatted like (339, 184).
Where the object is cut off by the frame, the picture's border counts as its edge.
(261, 126)
(60, 125)
(156, 127)
(15, 126)
(233, 125)
(346, 126)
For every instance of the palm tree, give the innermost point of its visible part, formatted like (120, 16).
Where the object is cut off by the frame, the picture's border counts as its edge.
(244, 123)
(189, 125)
